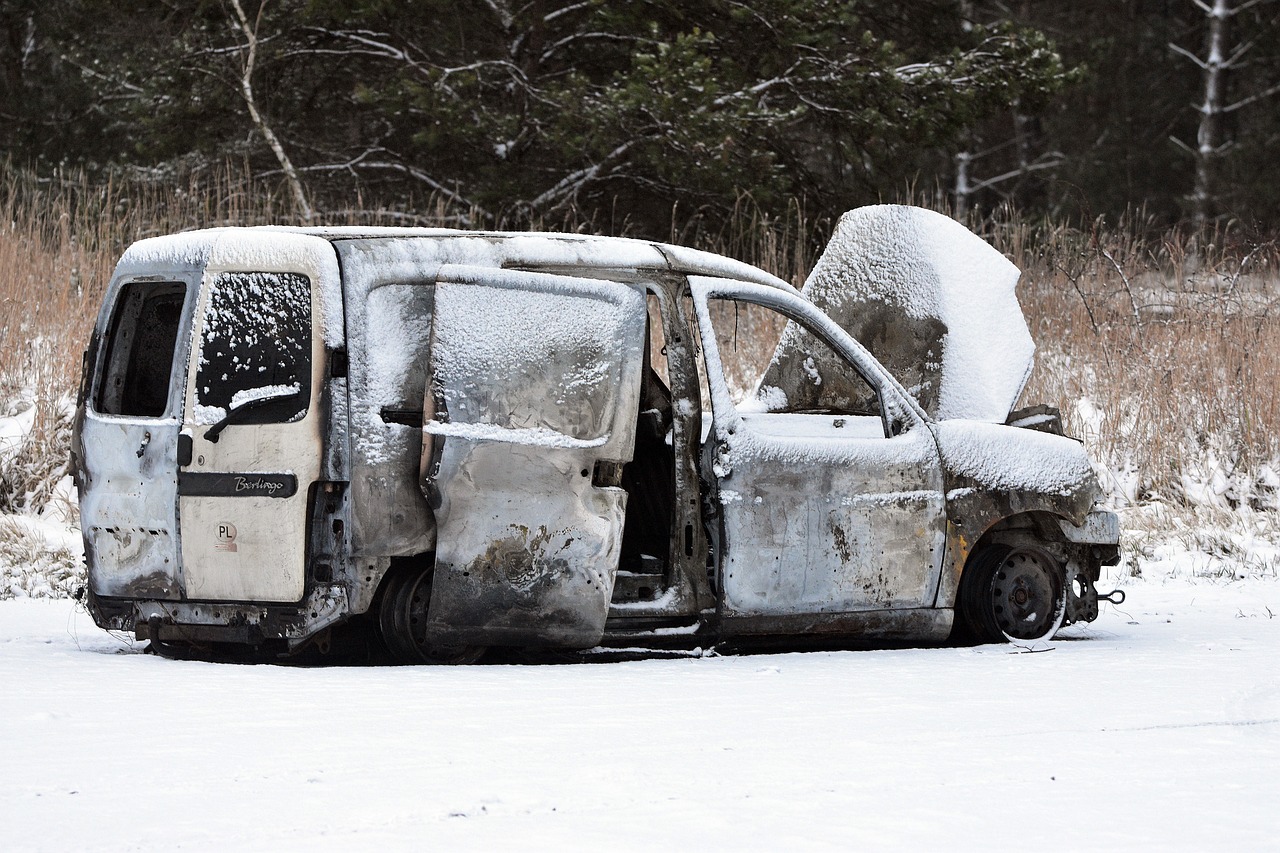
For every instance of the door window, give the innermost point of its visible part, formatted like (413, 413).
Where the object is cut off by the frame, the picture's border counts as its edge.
(140, 346)
(255, 344)
(747, 337)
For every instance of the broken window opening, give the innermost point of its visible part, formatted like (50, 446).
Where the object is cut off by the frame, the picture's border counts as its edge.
(748, 336)
(140, 346)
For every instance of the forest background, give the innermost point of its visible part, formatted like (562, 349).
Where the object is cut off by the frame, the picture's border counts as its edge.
(642, 115)
(1122, 153)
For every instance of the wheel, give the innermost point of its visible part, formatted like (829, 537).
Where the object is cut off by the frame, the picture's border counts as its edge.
(403, 621)
(1012, 594)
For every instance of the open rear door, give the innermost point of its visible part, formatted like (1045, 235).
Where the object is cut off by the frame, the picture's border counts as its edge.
(529, 418)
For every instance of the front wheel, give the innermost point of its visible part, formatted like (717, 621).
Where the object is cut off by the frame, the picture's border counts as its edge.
(1014, 594)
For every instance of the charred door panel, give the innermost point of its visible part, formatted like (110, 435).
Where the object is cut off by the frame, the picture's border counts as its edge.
(127, 441)
(535, 380)
(849, 524)
(835, 508)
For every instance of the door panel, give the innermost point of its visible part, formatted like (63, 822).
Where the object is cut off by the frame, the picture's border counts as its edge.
(255, 436)
(535, 381)
(127, 443)
(837, 510)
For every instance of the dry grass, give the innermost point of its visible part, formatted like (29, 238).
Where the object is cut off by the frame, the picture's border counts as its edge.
(1175, 348)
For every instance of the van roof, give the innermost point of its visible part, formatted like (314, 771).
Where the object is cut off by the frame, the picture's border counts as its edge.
(517, 248)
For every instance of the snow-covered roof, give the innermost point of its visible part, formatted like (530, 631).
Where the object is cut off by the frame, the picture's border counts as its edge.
(194, 248)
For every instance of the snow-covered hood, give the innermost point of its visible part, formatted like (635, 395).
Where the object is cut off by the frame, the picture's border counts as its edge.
(1005, 459)
(931, 300)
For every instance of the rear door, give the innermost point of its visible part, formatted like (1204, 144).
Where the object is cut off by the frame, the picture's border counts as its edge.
(128, 438)
(253, 422)
(534, 387)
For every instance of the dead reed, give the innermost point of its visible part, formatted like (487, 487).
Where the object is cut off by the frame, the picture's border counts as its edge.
(1161, 348)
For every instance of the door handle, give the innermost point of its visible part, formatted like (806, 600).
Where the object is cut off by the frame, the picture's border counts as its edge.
(184, 449)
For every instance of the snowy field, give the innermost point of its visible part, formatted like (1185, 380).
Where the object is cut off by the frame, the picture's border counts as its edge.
(1156, 727)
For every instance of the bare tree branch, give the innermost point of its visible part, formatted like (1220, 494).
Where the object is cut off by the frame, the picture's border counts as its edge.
(362, 161)
(571, 184)
(1189, 55)
(1252, 98)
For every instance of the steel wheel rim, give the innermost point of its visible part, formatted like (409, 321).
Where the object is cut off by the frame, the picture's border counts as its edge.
(1027, 597)
(417, 602)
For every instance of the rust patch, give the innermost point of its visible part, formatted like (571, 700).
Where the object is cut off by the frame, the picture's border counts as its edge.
(152, 585)
(520, 559)
(841, 540)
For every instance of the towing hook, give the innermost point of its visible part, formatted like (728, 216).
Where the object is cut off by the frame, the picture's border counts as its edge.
(1116, 596)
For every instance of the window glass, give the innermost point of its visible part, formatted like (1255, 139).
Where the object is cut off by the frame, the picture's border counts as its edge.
(821, 382)
(255, 345)
(140, 345)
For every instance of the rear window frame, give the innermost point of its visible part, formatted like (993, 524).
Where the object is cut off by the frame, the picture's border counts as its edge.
(104, 369)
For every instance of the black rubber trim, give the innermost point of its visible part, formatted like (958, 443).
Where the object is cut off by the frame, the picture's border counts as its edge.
(234, 485)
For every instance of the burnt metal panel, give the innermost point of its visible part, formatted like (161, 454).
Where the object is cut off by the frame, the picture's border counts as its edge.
(126, 465)
(526, 405)
(389, 288)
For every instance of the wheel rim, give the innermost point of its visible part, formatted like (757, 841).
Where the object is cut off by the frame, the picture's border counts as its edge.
(1027, 596)
(415, 599)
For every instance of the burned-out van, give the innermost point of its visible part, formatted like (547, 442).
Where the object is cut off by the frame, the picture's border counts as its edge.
(461, 440)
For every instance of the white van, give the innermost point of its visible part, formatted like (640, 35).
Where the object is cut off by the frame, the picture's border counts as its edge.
(461, 440)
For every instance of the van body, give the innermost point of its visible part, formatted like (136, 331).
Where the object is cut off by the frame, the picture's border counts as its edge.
(463, 440)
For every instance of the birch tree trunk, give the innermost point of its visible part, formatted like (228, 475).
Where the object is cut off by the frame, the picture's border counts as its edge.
(1209, 133)
(246, 90)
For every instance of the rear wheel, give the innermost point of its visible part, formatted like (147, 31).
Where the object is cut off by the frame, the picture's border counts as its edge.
(1014, 594)
(403, 621)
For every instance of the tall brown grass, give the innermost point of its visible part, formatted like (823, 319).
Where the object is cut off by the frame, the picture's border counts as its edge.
(1174, 341)
(1172, 338)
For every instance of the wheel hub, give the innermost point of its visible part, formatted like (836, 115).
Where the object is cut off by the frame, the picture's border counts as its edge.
(1027, 596)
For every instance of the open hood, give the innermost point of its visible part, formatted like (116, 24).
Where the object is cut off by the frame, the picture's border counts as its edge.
(931, 300)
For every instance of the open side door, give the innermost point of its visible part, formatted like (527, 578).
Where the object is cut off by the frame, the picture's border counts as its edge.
(830, 508)
(529, 417)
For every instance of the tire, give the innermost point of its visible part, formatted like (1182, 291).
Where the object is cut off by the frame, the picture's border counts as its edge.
(1011, 594)
(403, 623)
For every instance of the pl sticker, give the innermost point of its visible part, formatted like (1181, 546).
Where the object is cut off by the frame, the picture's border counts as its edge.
(226, 536)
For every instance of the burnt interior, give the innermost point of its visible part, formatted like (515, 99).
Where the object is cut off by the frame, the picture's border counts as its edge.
(649, 479)
(140, 345)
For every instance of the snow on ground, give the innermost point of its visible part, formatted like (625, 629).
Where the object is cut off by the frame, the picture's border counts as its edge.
(1158, 726)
